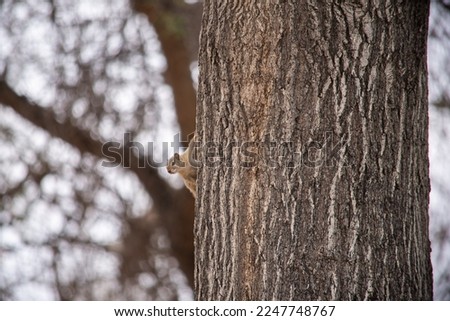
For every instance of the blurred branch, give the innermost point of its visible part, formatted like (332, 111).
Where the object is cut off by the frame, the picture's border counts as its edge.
(82, 140)
(177, 25)
(174, 207)
(442, 101)
(444, 3)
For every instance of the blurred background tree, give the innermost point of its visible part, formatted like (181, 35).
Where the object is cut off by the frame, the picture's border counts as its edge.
(439, 140)
(76, 74)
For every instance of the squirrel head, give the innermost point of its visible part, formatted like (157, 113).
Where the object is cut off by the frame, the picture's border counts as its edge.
(174, 164)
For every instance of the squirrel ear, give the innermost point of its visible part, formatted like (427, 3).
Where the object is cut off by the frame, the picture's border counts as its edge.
(176, 156)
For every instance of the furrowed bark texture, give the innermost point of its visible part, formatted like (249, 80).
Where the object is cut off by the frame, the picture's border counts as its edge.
(346, 216)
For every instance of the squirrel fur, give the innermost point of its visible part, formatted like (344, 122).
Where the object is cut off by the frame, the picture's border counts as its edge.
(183, 164)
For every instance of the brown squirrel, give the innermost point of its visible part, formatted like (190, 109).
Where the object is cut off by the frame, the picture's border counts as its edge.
(184, 165)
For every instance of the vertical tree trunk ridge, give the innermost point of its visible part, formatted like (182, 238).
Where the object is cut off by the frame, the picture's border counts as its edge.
(347, 83)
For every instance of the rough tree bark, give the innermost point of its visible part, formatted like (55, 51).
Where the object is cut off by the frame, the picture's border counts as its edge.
(342, 213)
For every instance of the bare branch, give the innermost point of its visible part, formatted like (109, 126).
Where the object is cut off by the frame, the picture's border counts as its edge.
(174, 207)
(172, 33)
(83, 141)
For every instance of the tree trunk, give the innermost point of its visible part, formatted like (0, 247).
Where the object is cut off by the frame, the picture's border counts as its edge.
(328, 199)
